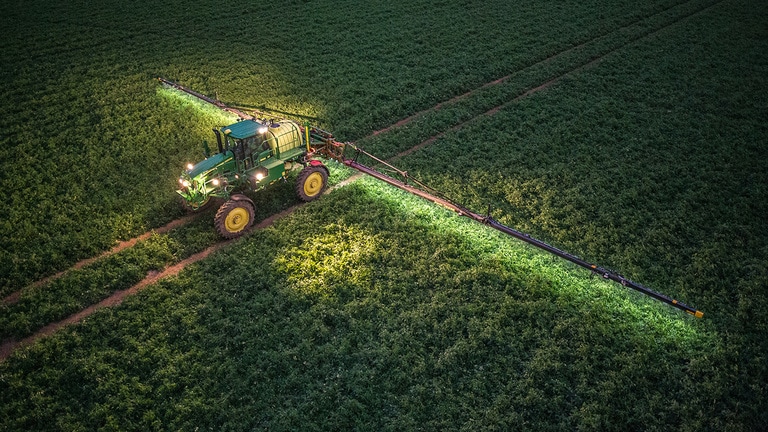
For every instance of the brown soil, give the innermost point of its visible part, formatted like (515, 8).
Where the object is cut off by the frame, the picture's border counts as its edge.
(14, 296)
(536, 89)
(539, 63)
(8, 346)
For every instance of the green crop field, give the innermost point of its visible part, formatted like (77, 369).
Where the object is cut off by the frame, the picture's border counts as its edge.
(632, 135)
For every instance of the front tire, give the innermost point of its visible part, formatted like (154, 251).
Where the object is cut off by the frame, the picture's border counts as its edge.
(311, 182)
(234, 218)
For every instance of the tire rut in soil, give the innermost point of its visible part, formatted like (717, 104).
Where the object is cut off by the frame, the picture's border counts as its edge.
(545, 61)
(547, 83)
(14, 296)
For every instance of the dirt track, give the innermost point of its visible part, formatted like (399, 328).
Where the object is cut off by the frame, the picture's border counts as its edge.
(115, 299)
(14, 297)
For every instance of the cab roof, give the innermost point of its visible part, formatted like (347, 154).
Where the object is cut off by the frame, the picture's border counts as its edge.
(242, 129)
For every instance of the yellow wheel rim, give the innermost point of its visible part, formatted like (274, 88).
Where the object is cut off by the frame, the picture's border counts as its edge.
(236, 220)
(313, 184)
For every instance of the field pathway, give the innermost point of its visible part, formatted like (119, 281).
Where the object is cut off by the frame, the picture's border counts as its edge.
(548, 60)
(546, 84)
(14, 296)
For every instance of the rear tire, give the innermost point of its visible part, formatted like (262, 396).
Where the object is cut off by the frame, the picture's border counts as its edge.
(311, 182)
(234, 218)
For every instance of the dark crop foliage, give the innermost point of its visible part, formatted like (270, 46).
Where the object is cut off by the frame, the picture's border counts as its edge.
(370, 309)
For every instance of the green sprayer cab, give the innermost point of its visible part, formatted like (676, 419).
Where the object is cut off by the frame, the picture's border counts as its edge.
(252, 154)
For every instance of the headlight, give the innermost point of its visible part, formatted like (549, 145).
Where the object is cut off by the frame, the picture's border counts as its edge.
(215, 182)
(184, 183)
(259, 176)
(190, 166)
